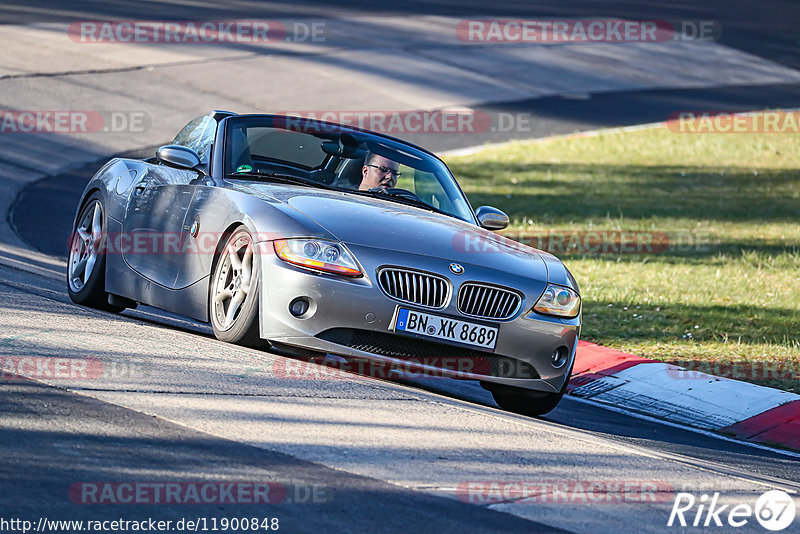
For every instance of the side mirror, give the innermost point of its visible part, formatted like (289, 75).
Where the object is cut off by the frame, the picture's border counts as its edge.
(491, 218)
(178, 156)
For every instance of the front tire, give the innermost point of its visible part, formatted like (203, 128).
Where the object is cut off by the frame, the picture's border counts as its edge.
(86, 267)
(524, 402)
(233, 295)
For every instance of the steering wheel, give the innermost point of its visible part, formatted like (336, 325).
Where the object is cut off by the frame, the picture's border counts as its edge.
(396, 192)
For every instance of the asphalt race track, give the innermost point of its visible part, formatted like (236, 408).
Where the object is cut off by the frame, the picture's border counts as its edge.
(351, 453)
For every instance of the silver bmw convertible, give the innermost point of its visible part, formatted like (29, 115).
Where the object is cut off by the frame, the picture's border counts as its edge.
(312, 238)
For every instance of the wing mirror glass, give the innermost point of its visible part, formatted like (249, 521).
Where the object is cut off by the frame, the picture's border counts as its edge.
(491, 218)
(178, 156)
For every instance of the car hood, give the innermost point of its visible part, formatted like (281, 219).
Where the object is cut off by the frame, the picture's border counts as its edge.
(377, 223)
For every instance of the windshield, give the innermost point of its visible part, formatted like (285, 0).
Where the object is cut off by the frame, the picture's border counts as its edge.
(338, 157)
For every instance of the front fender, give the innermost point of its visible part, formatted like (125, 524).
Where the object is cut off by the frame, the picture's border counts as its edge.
(557, 272)
(218, 210)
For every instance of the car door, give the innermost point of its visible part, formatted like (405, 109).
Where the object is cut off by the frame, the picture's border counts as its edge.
(155, 216)
(153, 225)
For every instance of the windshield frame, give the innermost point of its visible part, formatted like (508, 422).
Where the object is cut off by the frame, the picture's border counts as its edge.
(323, 130)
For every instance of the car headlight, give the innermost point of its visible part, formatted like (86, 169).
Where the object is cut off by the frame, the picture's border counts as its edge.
(560, 301)
(317, 254)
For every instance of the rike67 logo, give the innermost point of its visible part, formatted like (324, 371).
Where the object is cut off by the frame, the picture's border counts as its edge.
(774, 510)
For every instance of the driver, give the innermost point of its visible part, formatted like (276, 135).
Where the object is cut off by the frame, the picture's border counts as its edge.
(378, 172)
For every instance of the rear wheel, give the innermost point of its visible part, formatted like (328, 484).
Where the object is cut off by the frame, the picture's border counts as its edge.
(86, 268)
(233, 296)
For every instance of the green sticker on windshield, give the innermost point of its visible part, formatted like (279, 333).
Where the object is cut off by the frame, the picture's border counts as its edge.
(244, 168)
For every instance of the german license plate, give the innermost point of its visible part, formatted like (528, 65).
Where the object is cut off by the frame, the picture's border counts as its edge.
(445, 328)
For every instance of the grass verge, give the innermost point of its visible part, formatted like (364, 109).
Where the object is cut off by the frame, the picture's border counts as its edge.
(686, 246)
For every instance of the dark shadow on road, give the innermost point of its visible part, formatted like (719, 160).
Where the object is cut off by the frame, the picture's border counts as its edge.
(53, 440)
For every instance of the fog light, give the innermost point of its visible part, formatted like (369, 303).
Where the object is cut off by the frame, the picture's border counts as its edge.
(504, 369)
(559, 357)
(299, 306)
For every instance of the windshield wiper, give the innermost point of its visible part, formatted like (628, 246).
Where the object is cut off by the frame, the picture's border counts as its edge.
(279, 177)
(401, 199)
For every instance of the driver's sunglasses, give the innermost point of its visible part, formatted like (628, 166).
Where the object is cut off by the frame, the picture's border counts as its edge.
(386, 170)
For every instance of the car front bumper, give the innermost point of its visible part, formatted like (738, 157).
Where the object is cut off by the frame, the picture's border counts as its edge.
(339, 305)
